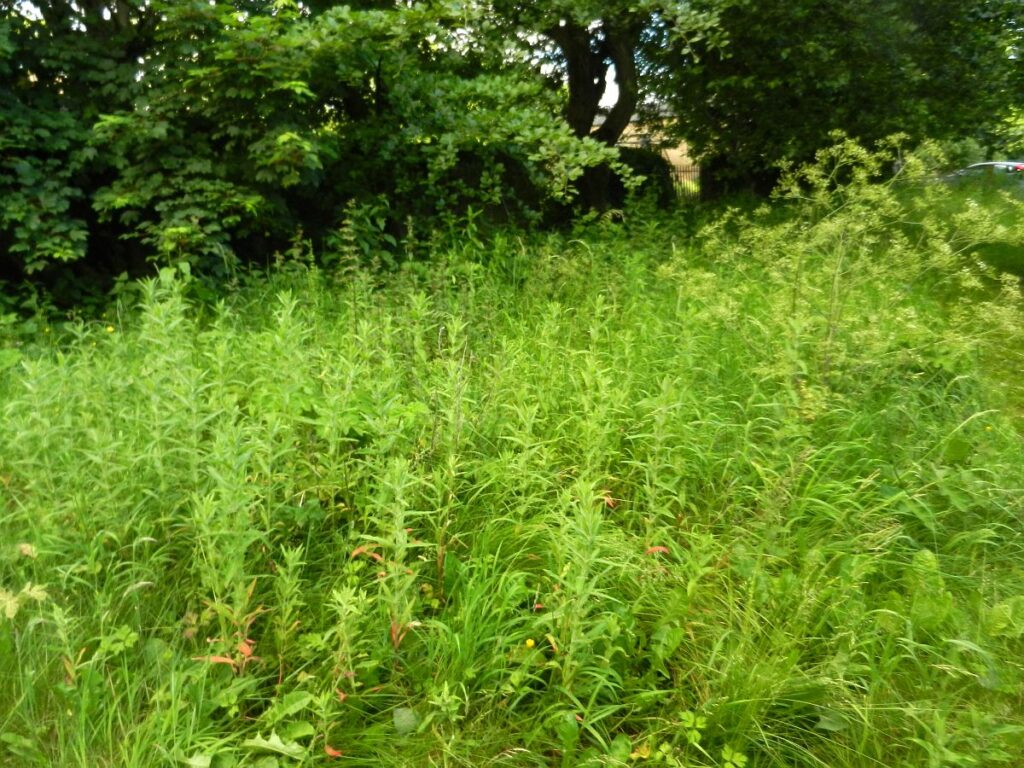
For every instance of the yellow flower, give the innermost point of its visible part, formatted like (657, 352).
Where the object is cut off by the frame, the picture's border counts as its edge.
(110, 329)
(529, 642)
(641, 753)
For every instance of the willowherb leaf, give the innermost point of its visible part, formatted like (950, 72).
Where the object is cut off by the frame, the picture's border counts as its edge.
(1006, 619)
(299, 729)
(290, 704)
(830, 721)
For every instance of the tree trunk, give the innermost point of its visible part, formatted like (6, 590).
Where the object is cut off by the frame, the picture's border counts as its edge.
(585, 69)
(620, 45)
(587, 57)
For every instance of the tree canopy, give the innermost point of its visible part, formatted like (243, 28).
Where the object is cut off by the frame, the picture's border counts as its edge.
(204, 130)
(196, 129)
(795, 71)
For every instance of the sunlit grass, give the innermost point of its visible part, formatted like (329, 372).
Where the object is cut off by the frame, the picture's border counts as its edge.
(628, 498)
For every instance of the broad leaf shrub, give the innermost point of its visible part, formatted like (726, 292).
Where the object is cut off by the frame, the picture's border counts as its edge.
(745, 499)
(212, 133)
(53, 75)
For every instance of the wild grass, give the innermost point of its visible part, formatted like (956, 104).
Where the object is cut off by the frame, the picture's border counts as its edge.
(748, 498)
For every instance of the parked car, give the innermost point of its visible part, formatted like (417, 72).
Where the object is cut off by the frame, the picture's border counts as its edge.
(1001, 170)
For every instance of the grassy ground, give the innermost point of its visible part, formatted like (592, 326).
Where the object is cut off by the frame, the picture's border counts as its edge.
(750, 498)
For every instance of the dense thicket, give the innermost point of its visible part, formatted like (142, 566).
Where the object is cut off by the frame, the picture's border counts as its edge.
(792, 72)
(196, 130)
(204, 131)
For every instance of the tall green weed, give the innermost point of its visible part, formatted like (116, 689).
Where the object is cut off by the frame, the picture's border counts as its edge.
(750, 498)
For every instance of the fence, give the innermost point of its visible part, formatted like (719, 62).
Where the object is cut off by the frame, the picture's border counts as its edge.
(686, 181)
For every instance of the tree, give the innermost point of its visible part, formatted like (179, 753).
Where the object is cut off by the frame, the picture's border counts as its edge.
(576, 44)
(796, 70)
(236, 126)
(58, 66)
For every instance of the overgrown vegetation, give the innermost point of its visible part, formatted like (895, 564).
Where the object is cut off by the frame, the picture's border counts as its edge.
(746, 498)
(135, 132)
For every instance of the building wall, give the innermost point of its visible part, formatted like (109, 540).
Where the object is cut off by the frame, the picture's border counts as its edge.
(678, 156)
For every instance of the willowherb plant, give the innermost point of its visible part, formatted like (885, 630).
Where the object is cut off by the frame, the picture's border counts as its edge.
(748, 498)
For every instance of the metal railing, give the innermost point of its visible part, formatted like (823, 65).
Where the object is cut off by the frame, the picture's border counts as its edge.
(686, 181)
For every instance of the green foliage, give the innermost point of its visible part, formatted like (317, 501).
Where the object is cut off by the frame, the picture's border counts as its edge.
(53, 77)
(749, 498)
(200, 132)
(214, 133)
(343, 105)
(1012, 133)
(39, 193)
(929, 69)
